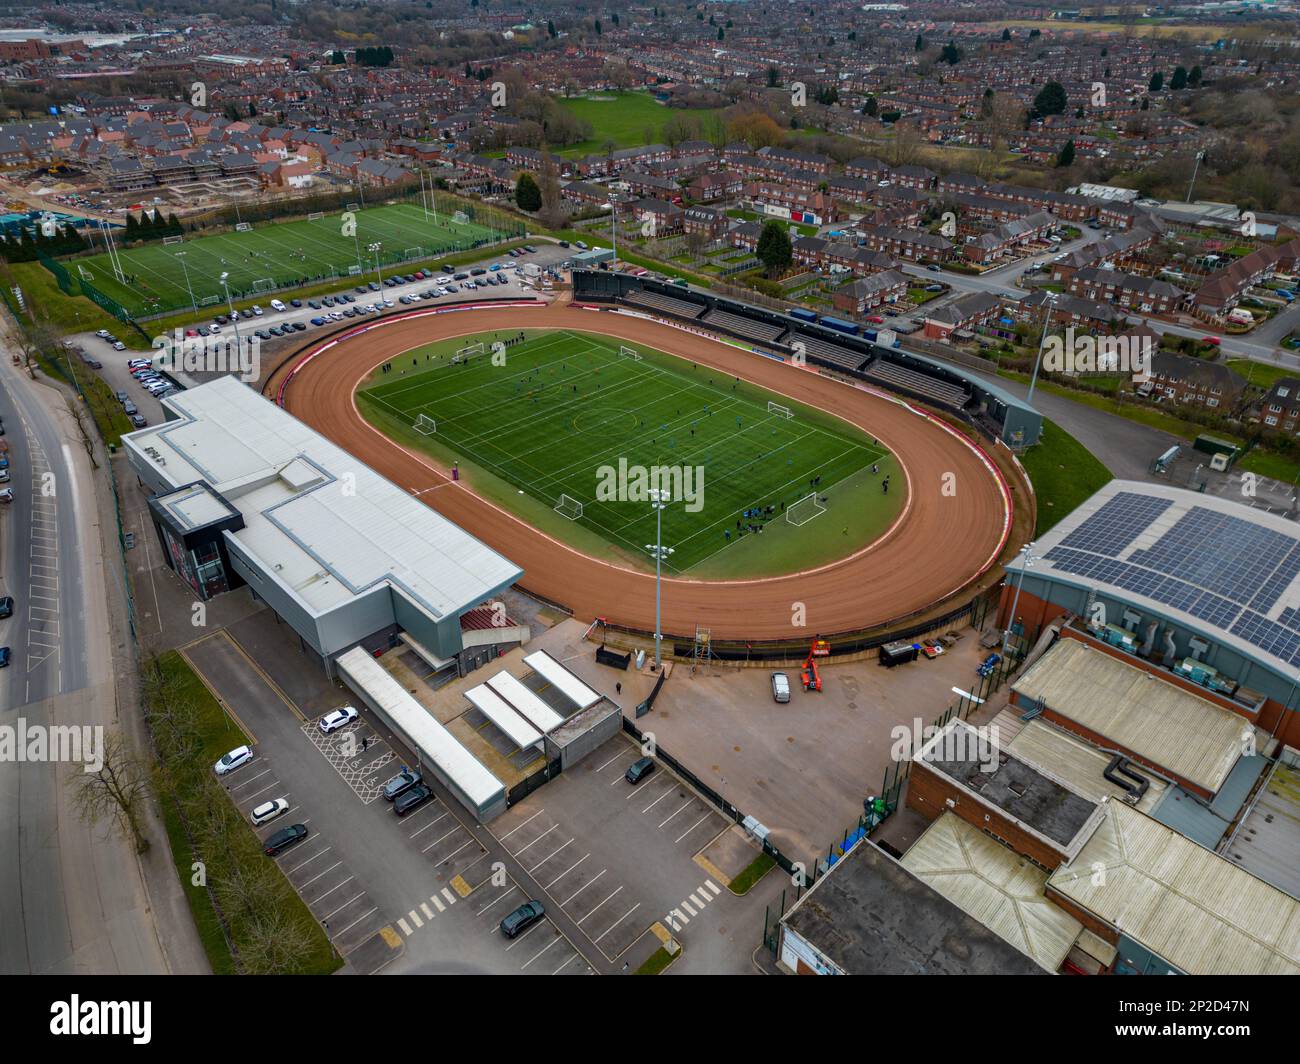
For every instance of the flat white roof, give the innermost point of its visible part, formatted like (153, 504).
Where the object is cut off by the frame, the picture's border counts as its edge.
(420, 726)
(562, 679)
(194, 507)
(542, 716)
(328, 527)
(504, 716)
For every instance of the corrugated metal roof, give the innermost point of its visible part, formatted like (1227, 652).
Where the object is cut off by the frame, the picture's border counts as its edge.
(1075, 763)
(1188, 736)
(995, 886)
(1183, 902)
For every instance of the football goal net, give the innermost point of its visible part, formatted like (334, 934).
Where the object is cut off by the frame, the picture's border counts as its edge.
(168, 241)
(85, 273)
(411, 254)
(466, 353)
(569, 507)
(803, 511)
(265, 284)
(354, 270)
(316, 216)
(243, 227)
(627, 352)
(354, 206)
(460, 218)
(425, 425)
(779, 410)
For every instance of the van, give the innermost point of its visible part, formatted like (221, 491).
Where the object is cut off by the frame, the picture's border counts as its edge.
(639, 770)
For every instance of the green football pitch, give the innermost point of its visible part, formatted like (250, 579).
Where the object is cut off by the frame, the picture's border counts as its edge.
(160, 277)
(569, 417)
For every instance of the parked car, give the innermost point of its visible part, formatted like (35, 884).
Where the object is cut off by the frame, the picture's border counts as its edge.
(299, 326)
(780, 687)
(934, 267)
(138, 420)
(238, 757)
(6, 606)
(522, 918)
(639, 770)
(338, 718)
(314, 304)
(412, 799)
(268, 811)
(4, 657)
(284, 838)
(118, 345)
(276, 305)
(257, 311)
(129, 408)
(296, 304)
(6, 494)
(401, 783)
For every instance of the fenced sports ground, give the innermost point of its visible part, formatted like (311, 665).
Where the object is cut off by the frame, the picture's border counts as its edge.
(564, 416)
(163, 277)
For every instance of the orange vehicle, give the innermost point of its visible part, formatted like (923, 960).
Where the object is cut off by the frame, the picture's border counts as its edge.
(809, 675)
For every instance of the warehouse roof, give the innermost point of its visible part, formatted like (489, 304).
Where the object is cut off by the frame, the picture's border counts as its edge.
(327, 527)
(1075, 763)
(1201, 913)
(1188, 736)
(994, 885)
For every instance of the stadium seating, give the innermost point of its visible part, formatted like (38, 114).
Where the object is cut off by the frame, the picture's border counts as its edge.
(833, 354)
(747, 327)
(918, 383)
(657, 301)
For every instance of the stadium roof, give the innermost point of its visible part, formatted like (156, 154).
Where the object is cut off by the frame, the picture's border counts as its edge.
(1205, 562)
(1183, 902)
(317, 520)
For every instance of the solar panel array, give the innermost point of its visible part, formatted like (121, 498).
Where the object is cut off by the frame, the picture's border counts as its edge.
(1221, 569)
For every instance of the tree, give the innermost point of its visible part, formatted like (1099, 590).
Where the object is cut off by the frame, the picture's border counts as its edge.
(550, 29)
(871, 108)
(1156, 82)
(774, 249)
(950, 54)
(1194, 78)
(920, 43)
(721, 33)
(1006, 34)
(1066, 157)
(528, 197)
(116, 792)
(1051, 99)
(773, 77)
(1179, 81)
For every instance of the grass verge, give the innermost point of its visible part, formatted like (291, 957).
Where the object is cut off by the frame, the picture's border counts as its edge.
(751, 874)
(1063, 473)
(657, 962)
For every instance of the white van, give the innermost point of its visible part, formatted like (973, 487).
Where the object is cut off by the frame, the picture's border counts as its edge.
(276, 305)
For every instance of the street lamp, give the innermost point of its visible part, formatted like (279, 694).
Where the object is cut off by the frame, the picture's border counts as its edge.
(180, 257)
(1026, 562)
(1049, 305)
(374, 250)
(613, 213)
(659, 499)
(1192, 184)
(225, 284)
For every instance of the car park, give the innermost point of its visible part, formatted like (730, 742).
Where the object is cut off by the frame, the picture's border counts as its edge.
(639, 770)
(238, 757)
(268, 811)
(519, 921)
(284, 838)
(401, 783)
(338, 718)
(412, 799)
(780, 687)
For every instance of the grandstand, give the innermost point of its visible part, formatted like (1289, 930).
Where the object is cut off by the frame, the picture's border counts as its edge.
(668, 304)
(834, 356)
(920, 384)
(762, 331)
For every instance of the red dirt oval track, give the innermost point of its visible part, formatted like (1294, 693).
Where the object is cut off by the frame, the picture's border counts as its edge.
(940, 543)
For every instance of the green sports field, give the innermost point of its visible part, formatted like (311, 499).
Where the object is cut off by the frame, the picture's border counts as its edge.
(561, 413)
(274, 256)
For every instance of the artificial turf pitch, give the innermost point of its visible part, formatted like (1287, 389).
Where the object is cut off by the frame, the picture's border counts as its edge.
(282, 253)
(565, 405)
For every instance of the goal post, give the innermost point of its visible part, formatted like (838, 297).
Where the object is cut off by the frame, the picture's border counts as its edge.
(243, 227)
(804, 510)
(568, 506)
(411, 254)
(85, 274)
(425, 425)
(627, 352)
(316, 216)
(168, 241)
(265, 284)
(466, 353)
(779, 410)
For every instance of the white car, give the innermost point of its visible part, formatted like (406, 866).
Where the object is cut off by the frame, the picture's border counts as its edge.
(240, 755)
(257, 311)
(780, 687)
(119, 346)
(277, 305)
(268, 811)
(338, 718)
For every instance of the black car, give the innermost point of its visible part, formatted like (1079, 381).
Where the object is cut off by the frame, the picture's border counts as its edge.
(522, 918)
(449, 269)
(412, 799)
(639, 770)
(139, 421)
(460, 276)
(299, 326)
(477, 271)
(401, 783)
(564, 243)
(7, 606)
(314, 304)
(373, 286)
(4, 657)
(328, 301)
(284, 838)
(295, 303)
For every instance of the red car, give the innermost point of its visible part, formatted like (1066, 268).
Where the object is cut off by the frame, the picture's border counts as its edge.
(875, 320)
(1212, 340)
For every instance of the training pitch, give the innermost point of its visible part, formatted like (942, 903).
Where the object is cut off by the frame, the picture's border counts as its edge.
(163, 277)
(569, 417)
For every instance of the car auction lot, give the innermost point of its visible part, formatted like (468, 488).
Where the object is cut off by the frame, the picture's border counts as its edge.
(613, 857)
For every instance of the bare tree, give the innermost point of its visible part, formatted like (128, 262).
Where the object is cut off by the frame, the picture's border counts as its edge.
(116, 792)
(274, 941)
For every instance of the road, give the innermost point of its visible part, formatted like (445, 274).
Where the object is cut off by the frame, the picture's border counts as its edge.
(71, 895)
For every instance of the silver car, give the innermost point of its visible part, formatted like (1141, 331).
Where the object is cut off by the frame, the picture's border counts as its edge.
(780, 687)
